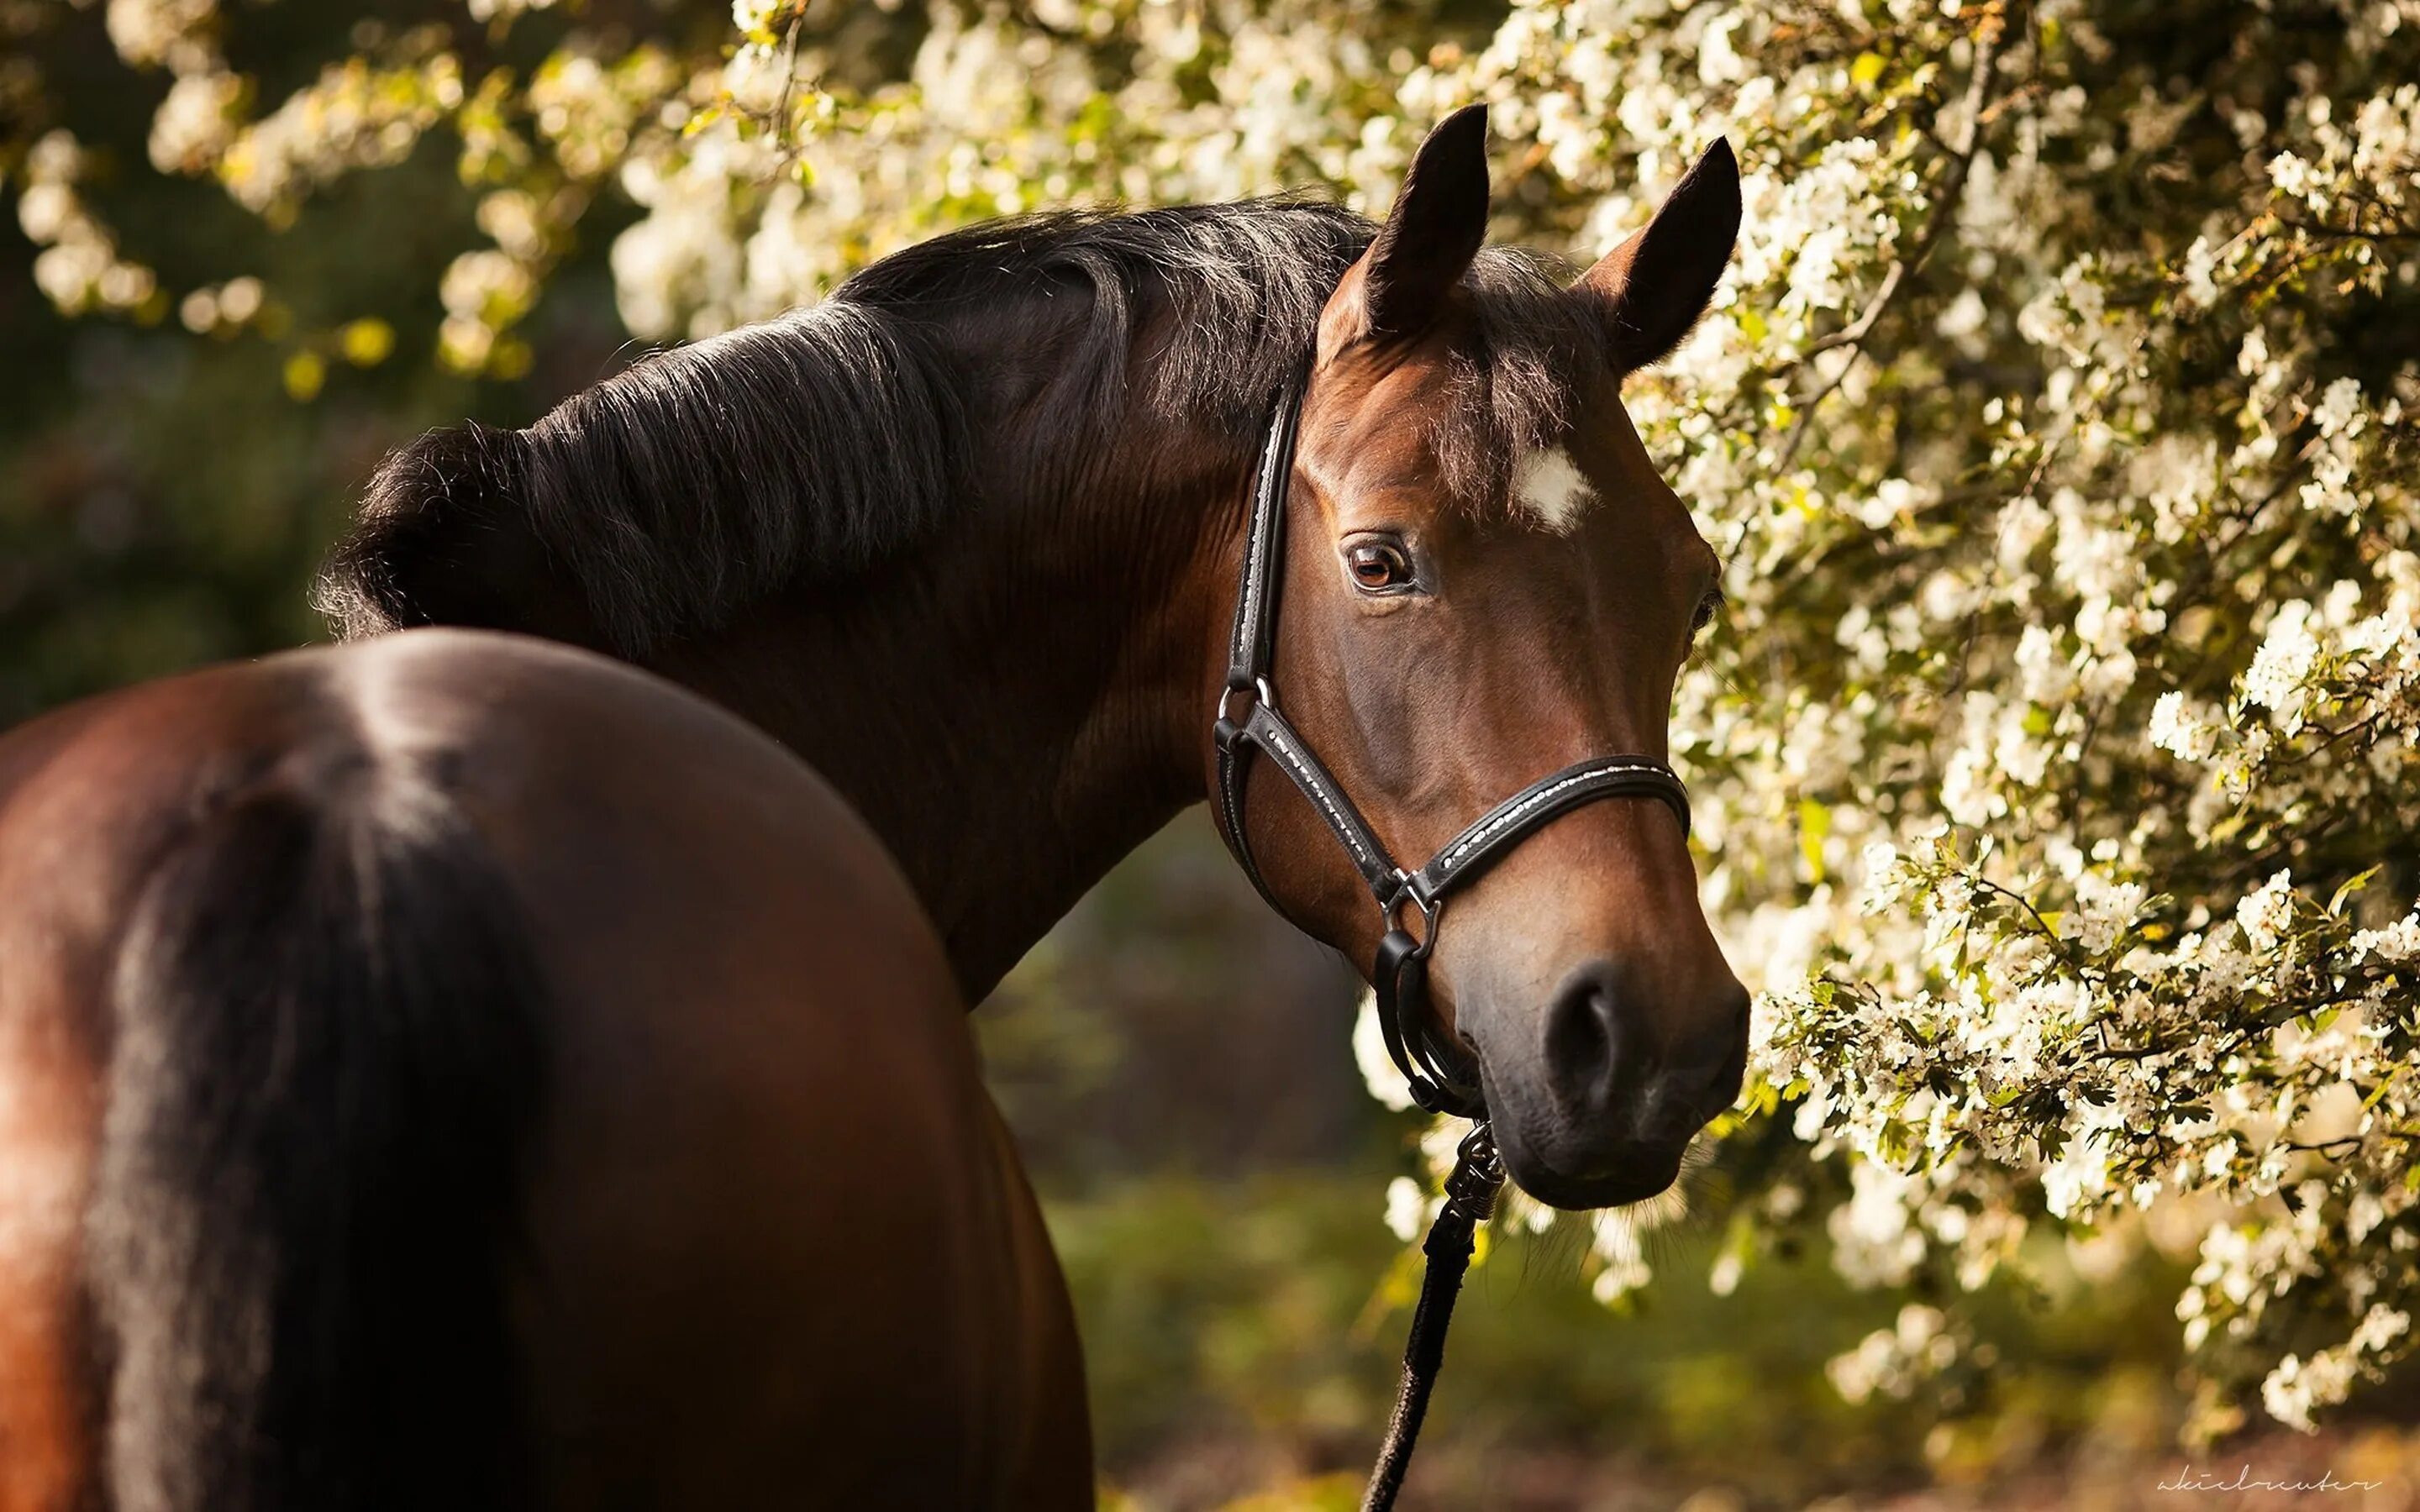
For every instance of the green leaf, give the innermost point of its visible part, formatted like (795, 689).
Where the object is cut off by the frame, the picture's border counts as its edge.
(2352, 885)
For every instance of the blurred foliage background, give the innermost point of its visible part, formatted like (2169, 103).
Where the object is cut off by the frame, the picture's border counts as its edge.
(164, 494)
(177, 452)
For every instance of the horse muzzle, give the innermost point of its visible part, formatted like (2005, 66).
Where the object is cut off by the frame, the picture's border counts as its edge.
(1598, 1108)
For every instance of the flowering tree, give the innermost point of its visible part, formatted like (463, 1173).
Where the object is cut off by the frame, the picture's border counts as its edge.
(2061, 422)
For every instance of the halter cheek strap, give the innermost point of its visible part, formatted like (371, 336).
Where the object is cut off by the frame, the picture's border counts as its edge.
(1248, 720)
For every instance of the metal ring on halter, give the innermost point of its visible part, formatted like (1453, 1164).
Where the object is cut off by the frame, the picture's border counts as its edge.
(1258, 687)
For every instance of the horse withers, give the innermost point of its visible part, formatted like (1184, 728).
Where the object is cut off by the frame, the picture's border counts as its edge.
(457, 1070)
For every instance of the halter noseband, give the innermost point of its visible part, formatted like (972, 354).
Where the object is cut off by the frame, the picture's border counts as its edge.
(1246, 719)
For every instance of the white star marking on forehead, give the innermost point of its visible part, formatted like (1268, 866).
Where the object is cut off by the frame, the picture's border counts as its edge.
(1548, 489)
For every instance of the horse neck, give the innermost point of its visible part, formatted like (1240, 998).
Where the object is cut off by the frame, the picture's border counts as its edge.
(1014, 708)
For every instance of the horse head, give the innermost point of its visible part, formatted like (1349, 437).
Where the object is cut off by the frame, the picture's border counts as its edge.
(1486, 581)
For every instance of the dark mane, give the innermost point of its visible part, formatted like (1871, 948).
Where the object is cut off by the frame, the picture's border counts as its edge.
(815, 445)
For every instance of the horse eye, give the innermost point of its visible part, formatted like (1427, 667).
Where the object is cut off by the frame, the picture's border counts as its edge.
(1708, 607)
(1377, 566)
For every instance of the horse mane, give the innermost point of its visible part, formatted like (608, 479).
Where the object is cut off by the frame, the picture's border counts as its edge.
(816, 445)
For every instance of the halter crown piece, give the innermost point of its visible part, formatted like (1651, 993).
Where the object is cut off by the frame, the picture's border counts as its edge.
(1246, 720)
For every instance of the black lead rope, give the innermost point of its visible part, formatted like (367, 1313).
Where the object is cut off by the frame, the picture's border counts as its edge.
(1469, 1197)
(1441, 1076)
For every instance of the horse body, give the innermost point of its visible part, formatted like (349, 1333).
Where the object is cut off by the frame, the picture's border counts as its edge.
(668, 1181)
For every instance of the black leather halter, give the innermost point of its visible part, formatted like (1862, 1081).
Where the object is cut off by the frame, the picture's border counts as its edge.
(1246, 719)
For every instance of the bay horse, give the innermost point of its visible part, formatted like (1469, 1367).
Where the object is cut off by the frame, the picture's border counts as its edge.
(447, 1067)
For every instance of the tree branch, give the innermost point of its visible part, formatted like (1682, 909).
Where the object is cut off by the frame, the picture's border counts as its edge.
(2348, 233)
(1988, 37)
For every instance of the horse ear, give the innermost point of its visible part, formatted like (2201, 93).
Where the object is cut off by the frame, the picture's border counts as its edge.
(1656, 283)
(1440, 220)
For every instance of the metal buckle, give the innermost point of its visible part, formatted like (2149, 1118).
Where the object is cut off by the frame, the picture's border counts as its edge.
(1430, 909)
(1477, 1174)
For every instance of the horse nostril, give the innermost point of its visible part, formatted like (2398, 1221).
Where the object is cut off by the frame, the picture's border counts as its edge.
(1584, 1034)
(1604, 1062)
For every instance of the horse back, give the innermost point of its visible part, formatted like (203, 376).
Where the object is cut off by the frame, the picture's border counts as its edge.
(722, 1151)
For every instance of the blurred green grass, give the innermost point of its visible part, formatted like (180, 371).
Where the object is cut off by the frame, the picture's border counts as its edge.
(1238, 1338)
